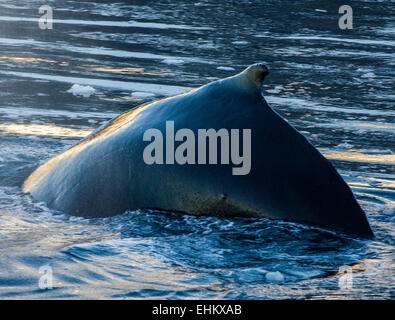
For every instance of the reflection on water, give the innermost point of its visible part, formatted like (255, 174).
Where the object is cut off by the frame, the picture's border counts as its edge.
(43, 130)
(335, 87)
(354, 155)
(24, 60)
(137, 71)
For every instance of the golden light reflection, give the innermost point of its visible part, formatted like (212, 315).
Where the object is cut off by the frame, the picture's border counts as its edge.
(44, 130)
(26, 60)
(139, 71)
(384, 185)
(372, 125)
(355, 155)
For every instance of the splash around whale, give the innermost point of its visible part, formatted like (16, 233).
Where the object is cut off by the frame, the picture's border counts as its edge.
(106, 173)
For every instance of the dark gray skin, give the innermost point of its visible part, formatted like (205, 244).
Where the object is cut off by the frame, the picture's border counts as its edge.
(105, 173)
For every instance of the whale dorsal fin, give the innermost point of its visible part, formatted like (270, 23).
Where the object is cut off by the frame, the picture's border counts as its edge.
(250, 79)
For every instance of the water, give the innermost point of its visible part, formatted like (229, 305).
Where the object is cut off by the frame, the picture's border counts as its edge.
(335, 86)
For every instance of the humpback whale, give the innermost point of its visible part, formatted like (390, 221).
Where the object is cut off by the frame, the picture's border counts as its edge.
(285, 176)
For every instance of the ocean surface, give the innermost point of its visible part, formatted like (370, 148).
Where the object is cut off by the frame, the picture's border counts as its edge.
(101, 59)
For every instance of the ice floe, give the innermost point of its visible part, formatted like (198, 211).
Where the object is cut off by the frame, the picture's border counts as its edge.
(78, 90)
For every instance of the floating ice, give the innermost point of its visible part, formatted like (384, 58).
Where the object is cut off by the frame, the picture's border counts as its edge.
(274, 276)
(78, 90)
(320, 10)
(241, 43)
(162, 89)
(226, 68)
(176, 62)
